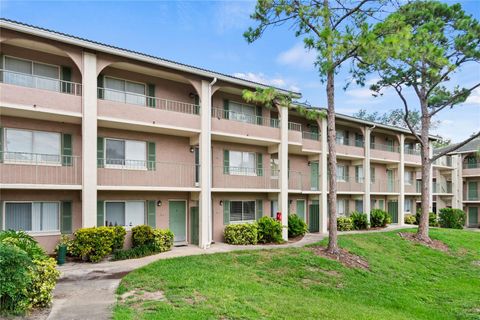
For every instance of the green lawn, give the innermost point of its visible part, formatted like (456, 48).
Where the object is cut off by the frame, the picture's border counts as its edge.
(405, 281)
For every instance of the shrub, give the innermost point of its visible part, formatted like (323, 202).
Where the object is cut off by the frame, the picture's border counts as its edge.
(359, 220)
(14, 279)
(142, 235)
(66, 241)
(269, 230)
(296, 226)
(245, 233)
(93, 244)
(133, 253)
(44, 276)
(119, 233)
(452, 218)
(410, 219)
(162, 240)
(344, 224)
(24, 242)
(379, 218)
(432, 218)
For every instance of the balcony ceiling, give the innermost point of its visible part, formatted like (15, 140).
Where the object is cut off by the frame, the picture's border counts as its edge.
(149, 71)
(35, 45)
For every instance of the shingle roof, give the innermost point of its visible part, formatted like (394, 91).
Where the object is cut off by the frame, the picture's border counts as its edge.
(471, 146)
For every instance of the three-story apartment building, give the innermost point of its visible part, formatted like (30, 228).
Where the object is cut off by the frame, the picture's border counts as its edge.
(95, 135)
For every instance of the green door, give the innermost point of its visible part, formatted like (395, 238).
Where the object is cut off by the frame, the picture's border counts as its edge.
(301, 209)
(194, 225)
(390, 181)
(314, 216)
(472, 216)
(178, 220)
(393, 210)
(472, 190)
(314, 175)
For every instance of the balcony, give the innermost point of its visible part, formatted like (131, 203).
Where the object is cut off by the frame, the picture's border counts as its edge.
(242, 124)
(412, 155)
(311, 140)
(40, 171)
(244, 179)
(443, 162)
(295, 180)
(349, 184)
(350, 147)
(149, 175)
(295, 133)
(411, 187)
(146, 109)
(471, 194)
(384, 186)
(386, 152)
(442, 188)
(471, 169)
(45, 93)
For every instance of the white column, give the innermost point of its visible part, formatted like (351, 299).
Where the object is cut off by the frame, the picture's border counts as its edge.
(283, 159)
(457, 183)
(324, 178)
(430, 200)
(205, 219)
(366, 173)
(401, 170)
(89, 140)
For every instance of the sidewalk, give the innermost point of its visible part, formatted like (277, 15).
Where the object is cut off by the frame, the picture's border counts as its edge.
(87, 291)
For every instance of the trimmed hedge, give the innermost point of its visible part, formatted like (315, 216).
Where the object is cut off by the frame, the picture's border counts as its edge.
(379, 218)
(344, 224)
(452, 218)
(142, 235)
(359, 220)
(296, 226)
(93, 244)
(241, 234)
(119, 233)
(410, 219)
(269, 230)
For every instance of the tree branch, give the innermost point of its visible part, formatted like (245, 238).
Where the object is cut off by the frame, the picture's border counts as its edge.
(451, 100)
(454, 147)
(407, 113)
(349, 13)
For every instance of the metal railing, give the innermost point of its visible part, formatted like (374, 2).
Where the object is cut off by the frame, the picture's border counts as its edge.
(471, 165)
(385, 147)
(246, 118)
(384, 186)
(244, 178)
(441, 188)
(34, 168)
(295, 180)
(445, 161)
(39, 82)
(293, 126)
(117, 172)
(350, 142)
(311, 135)
(148, 101)
(412, 151)
(472, 194)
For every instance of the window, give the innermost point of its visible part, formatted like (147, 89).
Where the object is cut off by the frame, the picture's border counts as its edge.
(372, 174)
(390, 145)
(359, 205)
(242, 211)
(341, 137)
(242, 163)
(124, 213)
(342, 173)
(126, 153)
(341, 207)
(359, 174)
(274, 167)
(408, 205)
(273, 208)
(32, 216)
(242, 112)
(32, 146)
(381, 204)
(31, 74)
(408, 177)
(358, 140)
(124, 91)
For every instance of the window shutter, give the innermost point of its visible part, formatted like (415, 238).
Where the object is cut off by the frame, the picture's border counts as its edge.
(372, 174)
(67, 150)
(151, 157)
(259, 164)
(100, 152)
(1, 67)
(1, 215)
(226, 212)
(100, 213)
(226, 162)
(288, 168)
(197, 104)
(258, 209)
(151, 102)
(66, 76)
(1, 144)
(356, 174)
(101, 94)
(347, 173)
(372, 142)
(259, 115)
(226, 109)
(151, 214)
(347, 142)
(347, 209)
(66, 217)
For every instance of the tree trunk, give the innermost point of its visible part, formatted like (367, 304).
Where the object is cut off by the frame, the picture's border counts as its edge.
(422, 233)
(332, 166)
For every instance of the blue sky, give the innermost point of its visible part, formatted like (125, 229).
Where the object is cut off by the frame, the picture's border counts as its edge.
(209, 34)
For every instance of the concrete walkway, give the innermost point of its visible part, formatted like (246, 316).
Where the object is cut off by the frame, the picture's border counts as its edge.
(87, 291)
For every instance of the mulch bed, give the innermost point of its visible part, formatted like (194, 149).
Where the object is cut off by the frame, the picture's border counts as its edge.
(346, 258)
(433, 244)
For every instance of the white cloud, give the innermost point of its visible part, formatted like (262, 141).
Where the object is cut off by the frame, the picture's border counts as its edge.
(361, 93)
(474, 97)
(276, 81)
(297, 56)
(233, 15)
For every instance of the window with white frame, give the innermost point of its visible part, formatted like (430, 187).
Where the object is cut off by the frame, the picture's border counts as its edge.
(125, 153)
(28, 73)
(341, 207)
(341, 137)
(32, 216)
(242, 211)
(242, 163)
(124, 91)
(342, 173)
(125, 213)
(32, 146)
(359, 174)
(408, 205)
(274, 167)
(242, 112)
(408, 177)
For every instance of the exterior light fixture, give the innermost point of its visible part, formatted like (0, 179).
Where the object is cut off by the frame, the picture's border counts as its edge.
(192, 149)
(159, 203)
(221, 202)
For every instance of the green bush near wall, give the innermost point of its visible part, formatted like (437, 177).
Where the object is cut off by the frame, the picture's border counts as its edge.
(241, 234)
(296, 226)
(410, 219)
(269, 230)
(359, 220)
(93, 244)
(379, 218)
(452, 218)
(344, 224)
(432, 218)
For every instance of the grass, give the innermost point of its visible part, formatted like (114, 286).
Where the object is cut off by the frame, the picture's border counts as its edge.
(405, 281)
